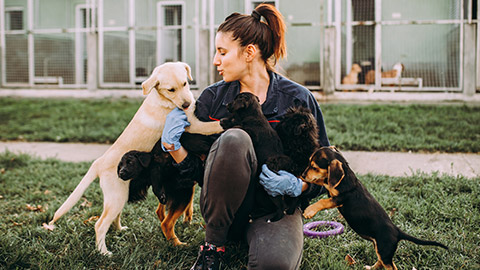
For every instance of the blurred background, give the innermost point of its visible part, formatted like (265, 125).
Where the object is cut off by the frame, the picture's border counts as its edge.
(334, 45)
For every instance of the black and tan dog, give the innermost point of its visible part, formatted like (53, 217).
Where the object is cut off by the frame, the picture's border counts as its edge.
(174, 191)
(359, 208)
(246, 113)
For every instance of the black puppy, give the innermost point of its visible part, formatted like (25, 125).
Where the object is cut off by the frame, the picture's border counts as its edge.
(156, 169)
(246, 113)
(298, 131)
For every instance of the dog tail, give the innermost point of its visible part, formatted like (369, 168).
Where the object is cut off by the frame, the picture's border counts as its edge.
(89, 177)
(405, 236)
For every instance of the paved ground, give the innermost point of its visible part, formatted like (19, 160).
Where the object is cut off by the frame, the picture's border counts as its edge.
(385, 163)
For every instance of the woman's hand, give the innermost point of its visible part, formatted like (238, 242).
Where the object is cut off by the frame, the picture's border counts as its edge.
(281, 183)
(172, 131)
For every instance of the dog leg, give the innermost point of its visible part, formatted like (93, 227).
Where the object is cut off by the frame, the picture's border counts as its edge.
(188, 215)
(168, 225)
(117, 225)
(199, 127)
(115, 195)
(385, 249)
(377, 265)
(160, 212)
(318, 206)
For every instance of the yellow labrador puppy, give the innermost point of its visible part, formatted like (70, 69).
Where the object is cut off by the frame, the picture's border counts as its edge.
(171, 89)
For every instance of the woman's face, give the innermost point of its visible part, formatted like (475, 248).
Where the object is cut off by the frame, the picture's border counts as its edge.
(229, 59)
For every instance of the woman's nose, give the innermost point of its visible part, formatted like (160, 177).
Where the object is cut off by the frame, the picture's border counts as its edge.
(216, 61)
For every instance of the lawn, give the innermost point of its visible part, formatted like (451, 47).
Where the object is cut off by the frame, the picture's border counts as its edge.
(426, 128)
(436, 207)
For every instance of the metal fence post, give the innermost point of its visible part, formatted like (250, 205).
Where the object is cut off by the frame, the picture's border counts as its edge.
(329, 60)
(469, 65)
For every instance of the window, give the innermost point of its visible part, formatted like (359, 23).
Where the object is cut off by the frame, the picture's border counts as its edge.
(14, 19)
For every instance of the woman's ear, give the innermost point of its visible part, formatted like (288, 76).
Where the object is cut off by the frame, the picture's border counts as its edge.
(250, 52)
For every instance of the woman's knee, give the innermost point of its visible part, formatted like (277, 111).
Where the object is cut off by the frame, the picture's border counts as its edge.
(235, 138)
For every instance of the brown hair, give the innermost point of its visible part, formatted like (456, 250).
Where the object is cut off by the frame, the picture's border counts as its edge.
(269, 35)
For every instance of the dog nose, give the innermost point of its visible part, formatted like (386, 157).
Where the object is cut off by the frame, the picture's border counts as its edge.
(186, 104)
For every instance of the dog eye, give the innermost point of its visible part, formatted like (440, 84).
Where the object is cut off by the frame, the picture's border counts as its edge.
(171, 90)
(185, 83)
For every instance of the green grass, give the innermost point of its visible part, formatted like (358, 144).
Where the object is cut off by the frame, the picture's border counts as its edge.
(65, 120)
(436, 207)
(428, 128)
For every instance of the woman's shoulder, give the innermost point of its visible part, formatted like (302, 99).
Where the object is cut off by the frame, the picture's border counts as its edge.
(291, 88)
(218, 86)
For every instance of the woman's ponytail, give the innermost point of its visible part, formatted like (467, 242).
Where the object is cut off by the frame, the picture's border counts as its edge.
(267, 34)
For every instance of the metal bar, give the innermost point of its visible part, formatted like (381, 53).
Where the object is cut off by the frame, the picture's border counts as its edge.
(93, 19)
(329, 12)
(31, 43)
(2, 43)
(378, 44)
(59, 30)
(321, 44)
(408, 22)
(100, 44)
(338, 37)
(349, 38)
(462, 42)
(184, 32)
(404, 88)
(211, 26)
(131, 42)
(88, 14)
(197, 41)
(470, 6)
(478, 48)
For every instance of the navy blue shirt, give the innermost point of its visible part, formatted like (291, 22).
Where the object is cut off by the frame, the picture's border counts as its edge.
(282, 94)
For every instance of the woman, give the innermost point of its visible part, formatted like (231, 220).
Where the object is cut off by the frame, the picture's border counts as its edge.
(247, 48)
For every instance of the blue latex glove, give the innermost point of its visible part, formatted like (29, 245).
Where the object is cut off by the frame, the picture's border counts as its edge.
(281, 183)
(174, 127)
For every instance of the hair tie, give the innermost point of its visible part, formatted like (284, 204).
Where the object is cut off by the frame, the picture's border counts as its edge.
(256, 15)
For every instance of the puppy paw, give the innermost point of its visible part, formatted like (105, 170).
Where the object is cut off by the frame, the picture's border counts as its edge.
(49, 227)
(226, 123)
(107, 253)
(309, 212)
(177, 242)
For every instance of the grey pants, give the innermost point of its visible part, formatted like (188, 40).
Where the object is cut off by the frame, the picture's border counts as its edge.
(227, 198)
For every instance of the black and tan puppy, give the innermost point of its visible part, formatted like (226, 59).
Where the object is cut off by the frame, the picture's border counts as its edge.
(359, 208)
(246, 113)
(155, 168)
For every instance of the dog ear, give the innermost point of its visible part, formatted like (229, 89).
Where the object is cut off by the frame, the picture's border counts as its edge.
(189, 71)
(335, 173)
(144, 159)
(149, 84)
